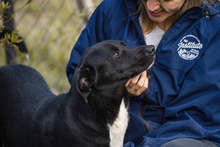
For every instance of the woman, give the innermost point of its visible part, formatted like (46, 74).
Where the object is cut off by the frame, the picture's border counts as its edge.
(183, 100)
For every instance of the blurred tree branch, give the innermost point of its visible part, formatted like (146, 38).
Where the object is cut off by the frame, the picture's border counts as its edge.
(8, 22)
(9, 37)
(84, 9)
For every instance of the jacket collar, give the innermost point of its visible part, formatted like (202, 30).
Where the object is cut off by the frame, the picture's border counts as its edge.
(214, 9)
(131, 8)
(131, 5)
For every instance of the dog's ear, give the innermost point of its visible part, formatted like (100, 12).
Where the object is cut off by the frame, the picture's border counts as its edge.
(85, 81)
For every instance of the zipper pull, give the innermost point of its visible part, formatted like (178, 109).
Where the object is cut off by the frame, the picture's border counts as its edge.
(206, 12)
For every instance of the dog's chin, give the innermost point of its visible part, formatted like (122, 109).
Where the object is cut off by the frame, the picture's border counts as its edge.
(140, 70)
(133, 74)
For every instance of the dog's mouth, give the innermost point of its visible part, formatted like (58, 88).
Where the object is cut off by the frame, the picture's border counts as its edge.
(135, 71)
(142, 65)
(140, 70)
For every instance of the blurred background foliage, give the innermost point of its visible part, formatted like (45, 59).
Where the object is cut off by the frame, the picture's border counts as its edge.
(50, 29)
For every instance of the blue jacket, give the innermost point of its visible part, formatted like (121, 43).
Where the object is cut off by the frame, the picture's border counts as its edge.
(184, 91)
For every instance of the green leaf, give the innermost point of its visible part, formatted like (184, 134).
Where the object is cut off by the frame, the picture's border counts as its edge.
(12, 39)
(28, 1)
(3, 27)
(8, 35)
(19, 40)
(12, 16)
(3, 4)
(14, 31)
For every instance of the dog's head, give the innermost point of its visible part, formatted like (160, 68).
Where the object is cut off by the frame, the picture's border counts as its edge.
(111, 63)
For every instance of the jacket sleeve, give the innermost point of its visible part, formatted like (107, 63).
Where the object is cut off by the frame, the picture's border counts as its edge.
(92, 33)
(195, 112)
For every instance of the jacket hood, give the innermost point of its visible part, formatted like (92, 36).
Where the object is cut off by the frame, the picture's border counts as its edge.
(210, 2)
(214, 9)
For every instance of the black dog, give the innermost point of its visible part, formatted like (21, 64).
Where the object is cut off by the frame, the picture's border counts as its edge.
(93, 114)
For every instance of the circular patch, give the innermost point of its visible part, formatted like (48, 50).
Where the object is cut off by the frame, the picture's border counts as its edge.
(189, 47)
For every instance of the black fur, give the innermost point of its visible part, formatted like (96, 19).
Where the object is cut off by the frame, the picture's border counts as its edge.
(32, 116)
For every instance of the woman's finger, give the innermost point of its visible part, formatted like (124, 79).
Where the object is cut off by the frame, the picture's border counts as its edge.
(133, 81)
(141, 81)
(138, 84)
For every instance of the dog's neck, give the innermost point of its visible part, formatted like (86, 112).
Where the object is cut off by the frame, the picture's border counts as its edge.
(116, 115)
(111, 115)
(118, 128)
(88, 120)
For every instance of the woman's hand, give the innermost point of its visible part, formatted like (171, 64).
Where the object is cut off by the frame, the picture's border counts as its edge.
(136, 87)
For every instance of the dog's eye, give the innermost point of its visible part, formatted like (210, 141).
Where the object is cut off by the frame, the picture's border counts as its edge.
(116, 54)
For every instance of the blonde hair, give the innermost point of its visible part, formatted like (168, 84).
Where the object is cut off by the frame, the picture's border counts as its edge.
(148, 25)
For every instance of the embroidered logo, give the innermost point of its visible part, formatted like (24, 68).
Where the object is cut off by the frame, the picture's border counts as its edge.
(189, 47)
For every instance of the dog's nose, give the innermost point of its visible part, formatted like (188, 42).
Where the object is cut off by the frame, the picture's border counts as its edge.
(151, 49)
